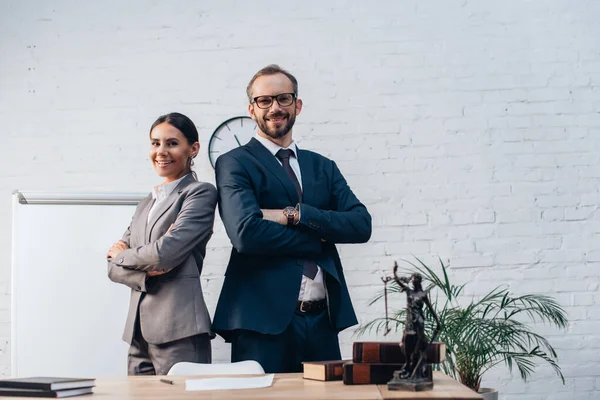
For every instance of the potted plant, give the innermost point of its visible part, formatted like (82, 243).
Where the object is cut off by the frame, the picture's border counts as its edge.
(481, 333)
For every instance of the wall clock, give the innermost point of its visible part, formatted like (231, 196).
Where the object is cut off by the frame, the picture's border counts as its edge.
(234, 132)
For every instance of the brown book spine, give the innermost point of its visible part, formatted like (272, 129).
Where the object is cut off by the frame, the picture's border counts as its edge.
(368, 374)
(373, 374)
(391, 353)
(334, 372)
(436, 353)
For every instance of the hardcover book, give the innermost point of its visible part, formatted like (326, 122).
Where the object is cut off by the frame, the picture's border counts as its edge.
(391, 353)
(368, 374)
(46, 383)
(45, 393)
(324, 370)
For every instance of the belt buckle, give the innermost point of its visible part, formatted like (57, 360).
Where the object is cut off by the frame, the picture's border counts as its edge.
(302, 307)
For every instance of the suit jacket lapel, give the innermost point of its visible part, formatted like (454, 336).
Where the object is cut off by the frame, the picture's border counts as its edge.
(164, 205)
(268, 160)
(139, 224)
(308, 176)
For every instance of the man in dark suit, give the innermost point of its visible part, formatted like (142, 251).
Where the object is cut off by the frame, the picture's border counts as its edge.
(284, 298)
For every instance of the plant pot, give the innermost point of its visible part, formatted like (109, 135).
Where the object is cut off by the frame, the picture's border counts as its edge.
(488, 393)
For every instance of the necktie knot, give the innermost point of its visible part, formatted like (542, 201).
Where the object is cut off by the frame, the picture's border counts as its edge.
(284, 154)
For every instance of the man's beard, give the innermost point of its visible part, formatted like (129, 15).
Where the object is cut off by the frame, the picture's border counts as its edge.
(277, 133)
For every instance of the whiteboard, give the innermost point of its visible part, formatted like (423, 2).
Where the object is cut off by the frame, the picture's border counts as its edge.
(67, 316)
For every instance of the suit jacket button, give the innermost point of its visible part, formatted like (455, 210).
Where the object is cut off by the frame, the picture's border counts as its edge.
(300, 262)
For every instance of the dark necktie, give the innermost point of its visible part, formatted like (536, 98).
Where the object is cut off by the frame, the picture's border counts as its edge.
(284, 156)
(310, 266)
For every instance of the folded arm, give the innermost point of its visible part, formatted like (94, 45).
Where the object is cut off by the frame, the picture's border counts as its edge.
(243, 219)
(193, 224)
(134, 279)
(348, 222)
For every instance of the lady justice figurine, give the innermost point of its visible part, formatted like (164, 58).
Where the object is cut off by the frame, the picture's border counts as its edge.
(415, 375)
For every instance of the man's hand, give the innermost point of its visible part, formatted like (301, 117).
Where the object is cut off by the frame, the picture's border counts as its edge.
(274, 216)
(116, 249)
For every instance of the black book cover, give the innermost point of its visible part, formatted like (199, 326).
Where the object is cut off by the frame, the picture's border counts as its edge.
(45, 393)
(46, 383)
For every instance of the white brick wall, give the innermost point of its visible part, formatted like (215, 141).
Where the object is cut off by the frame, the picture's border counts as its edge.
(470, 129)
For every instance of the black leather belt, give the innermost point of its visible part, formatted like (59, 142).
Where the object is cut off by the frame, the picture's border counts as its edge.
(311, 306)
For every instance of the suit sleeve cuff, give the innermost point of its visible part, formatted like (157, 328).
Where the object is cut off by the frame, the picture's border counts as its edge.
(307, 217)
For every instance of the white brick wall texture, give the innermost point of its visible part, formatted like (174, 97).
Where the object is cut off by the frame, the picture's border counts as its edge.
(469, 129)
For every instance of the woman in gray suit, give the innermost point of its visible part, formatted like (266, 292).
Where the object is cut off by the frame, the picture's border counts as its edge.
(161, 254)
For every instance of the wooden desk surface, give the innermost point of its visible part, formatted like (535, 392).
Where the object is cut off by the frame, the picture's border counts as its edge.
(285, 386)
(444, 387)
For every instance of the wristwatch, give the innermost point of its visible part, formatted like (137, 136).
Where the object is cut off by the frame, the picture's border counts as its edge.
(291, 213)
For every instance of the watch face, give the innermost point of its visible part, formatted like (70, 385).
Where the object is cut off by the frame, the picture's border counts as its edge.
(234, 132)
(290, 211)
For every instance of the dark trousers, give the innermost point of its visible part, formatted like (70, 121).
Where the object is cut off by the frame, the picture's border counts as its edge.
(157, 359)
(309, 337)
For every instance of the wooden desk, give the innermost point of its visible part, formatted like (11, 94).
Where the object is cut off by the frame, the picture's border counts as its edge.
(285, 386)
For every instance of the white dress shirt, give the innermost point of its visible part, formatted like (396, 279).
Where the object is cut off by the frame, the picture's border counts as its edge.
(161, 192)
(310, 290)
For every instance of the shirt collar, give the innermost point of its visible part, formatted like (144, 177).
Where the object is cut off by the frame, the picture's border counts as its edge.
(274, 147)
(160, 192)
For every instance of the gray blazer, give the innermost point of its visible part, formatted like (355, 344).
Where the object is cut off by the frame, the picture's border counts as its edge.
(171, 306)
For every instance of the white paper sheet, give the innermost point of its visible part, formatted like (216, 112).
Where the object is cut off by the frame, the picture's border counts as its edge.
(229, 383)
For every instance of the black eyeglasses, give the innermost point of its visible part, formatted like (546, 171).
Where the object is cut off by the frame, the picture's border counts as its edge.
(283, 99)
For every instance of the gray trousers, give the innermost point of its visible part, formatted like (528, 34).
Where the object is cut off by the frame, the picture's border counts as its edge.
(157, 359)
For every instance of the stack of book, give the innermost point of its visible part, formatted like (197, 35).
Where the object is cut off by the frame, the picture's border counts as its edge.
(46, 387)
(372, 363)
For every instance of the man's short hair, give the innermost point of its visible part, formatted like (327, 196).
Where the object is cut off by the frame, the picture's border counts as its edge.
(271, 70)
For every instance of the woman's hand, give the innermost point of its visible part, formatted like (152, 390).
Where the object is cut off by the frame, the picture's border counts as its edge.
(116, 249)
(157, 273)
(121, 245)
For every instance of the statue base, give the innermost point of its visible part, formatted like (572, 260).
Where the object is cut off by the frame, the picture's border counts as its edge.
(408, 384)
